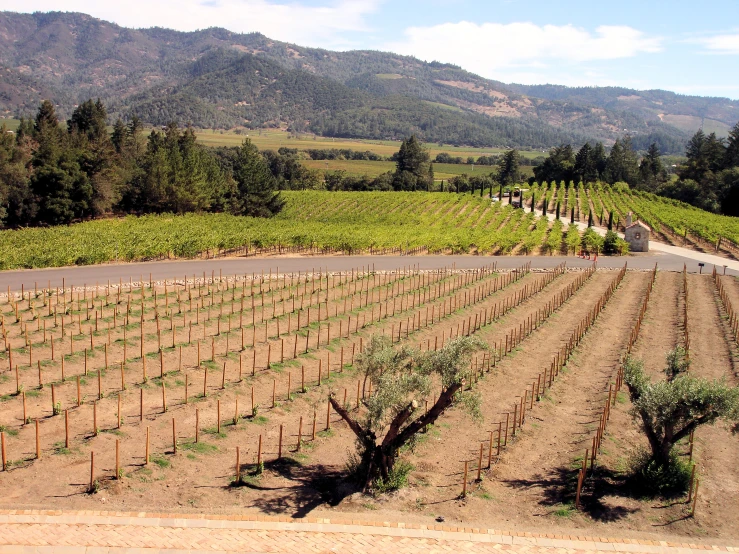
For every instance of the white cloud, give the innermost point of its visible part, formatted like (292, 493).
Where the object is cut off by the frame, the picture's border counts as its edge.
(722, 44)
(323, 25)
(522, 52)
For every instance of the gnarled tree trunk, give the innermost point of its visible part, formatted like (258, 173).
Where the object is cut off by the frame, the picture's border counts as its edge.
(380, 458)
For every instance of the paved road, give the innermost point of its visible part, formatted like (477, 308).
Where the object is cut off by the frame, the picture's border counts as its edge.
(87, 532)
(90, 275)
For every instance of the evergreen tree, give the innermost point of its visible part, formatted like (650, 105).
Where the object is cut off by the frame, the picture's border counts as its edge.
(119, 135)
(731, 158)
(413, 166)
(651, 169)
(622, 164)
(585, 167)
(559, 207)
(610, 220)
(89, 119)
(599, 158)
(256, 193)
(558, 166)
(508, 168)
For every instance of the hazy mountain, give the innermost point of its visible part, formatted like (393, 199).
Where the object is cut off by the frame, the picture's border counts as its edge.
(215, 78)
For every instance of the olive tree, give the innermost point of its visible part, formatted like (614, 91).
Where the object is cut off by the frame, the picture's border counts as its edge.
(399, 380)
(669, 410)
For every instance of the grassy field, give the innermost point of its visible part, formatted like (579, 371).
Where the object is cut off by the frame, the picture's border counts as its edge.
(358, 168)
(12, 124)
(275, 139)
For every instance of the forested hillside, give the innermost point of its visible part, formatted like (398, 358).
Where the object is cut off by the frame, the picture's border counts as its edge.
(218, 79)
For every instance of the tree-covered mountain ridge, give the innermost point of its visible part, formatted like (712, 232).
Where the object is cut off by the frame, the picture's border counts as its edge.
(216, 78)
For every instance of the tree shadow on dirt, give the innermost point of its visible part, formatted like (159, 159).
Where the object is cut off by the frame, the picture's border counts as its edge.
(560, 487)
(311, 486)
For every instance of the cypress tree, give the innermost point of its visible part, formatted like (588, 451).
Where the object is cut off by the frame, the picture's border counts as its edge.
(533, 202)
(572, 216)
(590, 218)
(559, 206)
(610, 221)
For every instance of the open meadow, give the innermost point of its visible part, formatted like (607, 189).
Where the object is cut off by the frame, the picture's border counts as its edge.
(211, 395)
(275, 139)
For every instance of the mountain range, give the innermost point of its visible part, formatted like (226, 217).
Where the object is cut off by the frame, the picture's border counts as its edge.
(214, 78)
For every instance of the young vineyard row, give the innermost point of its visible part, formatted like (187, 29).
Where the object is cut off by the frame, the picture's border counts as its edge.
(214, 392)
(366, 222)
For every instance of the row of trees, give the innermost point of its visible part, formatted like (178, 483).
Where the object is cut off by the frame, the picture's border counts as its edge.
(591, 163)
(709, 179)
(52, 174)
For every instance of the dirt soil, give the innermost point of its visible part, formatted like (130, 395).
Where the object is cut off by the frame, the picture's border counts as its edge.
(529, 487)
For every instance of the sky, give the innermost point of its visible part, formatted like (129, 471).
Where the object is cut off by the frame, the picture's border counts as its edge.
(689, 47)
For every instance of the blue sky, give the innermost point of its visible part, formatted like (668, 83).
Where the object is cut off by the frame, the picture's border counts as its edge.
(688, 47)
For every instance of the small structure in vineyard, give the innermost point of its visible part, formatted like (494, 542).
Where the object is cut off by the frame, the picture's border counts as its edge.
(637, 235)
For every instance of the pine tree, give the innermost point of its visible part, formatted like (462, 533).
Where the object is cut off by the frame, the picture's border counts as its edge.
(257, 193)
(119, 135)
(508, 168)
(731, 159)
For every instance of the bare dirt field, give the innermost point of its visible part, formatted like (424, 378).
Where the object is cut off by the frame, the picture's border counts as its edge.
(238, 364)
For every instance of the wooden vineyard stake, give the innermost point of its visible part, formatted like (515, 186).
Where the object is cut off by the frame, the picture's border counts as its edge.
(580, 477)
(118, 416)
(313, 436)
(328, 415)
(38, 442)
(174, 436)
(141, 405)
(695, 498)
(164, 398)
(91, 488)
(238, 465)
(218, 416)
(3, 451)
(146, 457)
(479, 464)
(300, 435)
(66, 429)
(117, 459)
(279, 448)
(95, 418)
(259, 454)
(464, 481)
(197, 425)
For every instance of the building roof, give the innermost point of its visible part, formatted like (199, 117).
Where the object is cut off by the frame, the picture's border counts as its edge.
(640, 224)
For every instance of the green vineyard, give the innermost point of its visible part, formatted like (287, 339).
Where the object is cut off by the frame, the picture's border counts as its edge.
(370, 222)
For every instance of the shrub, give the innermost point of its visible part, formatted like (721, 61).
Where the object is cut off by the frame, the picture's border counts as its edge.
(652, 478)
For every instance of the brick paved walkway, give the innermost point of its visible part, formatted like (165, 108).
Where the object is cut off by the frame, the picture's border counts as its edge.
(100, 532)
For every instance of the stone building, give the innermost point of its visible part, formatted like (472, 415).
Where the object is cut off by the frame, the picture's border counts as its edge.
(637, 235)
